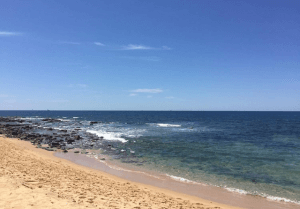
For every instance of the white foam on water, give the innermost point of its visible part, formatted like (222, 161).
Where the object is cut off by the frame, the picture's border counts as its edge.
(281, 199)
(110, 136)
(177, 178)
(240, 191)
(167, 125)
(64, 120)
(29, 118)
(273, 198)
(75, 117)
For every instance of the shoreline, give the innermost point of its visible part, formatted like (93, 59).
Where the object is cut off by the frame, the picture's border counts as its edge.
(50, 138)
(85, 164)
(26, 170)
(203, 191)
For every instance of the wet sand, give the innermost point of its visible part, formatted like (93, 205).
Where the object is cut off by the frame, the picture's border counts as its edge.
(203, 191)
(35, 178)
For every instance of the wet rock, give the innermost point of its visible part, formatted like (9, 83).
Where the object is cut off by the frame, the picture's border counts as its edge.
(50, 120)
(55, 144)
(14, 133)
(93, 122)
(70, 141)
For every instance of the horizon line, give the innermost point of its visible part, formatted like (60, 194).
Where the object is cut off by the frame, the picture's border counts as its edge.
(171, 110)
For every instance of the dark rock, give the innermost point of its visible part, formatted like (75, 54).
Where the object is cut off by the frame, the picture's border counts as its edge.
(70, 141)
(76, 151)
(55, 144)
(50, 120)
(93, 122)
(14, 133)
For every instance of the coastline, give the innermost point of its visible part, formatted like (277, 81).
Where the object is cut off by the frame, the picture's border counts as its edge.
(136, 189)
(203, 191)
(35, 178)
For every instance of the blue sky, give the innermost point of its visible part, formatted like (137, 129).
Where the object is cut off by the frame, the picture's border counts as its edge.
(150, 55)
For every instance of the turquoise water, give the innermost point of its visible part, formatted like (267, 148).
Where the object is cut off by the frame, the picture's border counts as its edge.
(247, 152)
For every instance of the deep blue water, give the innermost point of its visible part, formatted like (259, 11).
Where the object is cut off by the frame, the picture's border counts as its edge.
(248, 152)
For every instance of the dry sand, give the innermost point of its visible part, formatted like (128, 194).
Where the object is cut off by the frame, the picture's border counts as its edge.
(34, 178)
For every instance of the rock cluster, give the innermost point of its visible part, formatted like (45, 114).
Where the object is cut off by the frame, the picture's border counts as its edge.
(55, 139)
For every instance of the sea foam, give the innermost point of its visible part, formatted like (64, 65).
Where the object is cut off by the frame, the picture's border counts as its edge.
(167, 125)
(108, 136)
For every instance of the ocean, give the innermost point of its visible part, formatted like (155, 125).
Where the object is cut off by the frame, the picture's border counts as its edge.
(255, 153)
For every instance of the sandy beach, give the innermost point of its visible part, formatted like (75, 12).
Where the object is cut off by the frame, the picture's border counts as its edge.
(34, 178)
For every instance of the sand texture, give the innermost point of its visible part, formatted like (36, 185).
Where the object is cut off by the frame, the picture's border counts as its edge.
(34, 178)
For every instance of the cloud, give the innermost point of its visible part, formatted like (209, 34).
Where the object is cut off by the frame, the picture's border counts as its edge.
(151, 58)
(7, 33)
(69, 42)
(166, 48)
(170, 97)
(132, 95)
(143, 47)
(99, 44)
(136, 47)
(153, 91)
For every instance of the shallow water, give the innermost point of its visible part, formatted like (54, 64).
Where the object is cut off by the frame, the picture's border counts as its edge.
(246, 152)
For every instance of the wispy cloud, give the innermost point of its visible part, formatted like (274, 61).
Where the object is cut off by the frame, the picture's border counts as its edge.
(165, 48)
(151, 58)
(69, 42)
(170, 97)
(143, 47)
(7, 33)
(99, 44)
(136, 47)
(132, 95)
(153, 91)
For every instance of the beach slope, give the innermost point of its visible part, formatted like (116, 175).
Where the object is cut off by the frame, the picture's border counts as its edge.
(34, 178)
